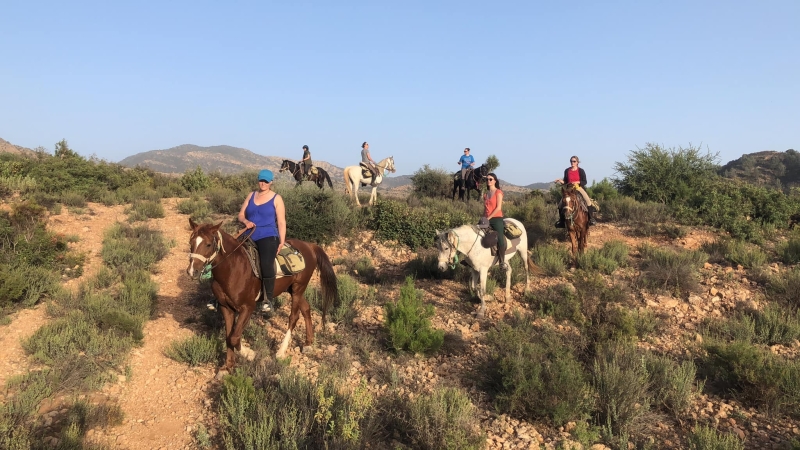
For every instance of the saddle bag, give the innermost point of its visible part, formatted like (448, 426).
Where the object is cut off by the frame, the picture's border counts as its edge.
(313, 170)
(289, 260)
(511, 230)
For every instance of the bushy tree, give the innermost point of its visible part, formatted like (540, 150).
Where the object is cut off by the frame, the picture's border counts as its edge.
(63, 151)
(195, 180)
(492, 163)
(408, 322)
(428, 182)
(657, 174)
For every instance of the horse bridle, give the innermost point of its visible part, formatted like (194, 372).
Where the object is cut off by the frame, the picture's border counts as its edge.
(452, 255)
(219, 248)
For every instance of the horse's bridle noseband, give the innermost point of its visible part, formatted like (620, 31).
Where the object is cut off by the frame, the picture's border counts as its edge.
(218, 248)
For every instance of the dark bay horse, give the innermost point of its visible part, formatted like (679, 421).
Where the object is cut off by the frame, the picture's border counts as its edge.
(297, 172)
(237, 288)
(576, 218)
(474, 181)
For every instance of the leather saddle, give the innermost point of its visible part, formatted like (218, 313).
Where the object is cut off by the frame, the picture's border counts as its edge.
(489, 237)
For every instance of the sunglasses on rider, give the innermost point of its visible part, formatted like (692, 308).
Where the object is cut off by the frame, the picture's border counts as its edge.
(573, 160)
(490, 179)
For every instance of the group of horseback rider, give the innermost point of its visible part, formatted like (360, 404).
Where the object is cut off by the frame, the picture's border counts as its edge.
(572, 175)
(366, 161)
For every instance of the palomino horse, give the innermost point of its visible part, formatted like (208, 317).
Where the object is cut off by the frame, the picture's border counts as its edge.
(576, 218)
(473, 183)
(237, 288)
(465, 241)
(297, 172)
(353, 178)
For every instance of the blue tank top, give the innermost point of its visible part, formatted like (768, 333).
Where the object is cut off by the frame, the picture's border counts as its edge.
(263, 216)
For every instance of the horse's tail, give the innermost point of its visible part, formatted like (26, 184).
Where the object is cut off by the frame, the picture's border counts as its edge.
(327, 277)
(534, 268)
(347, 181)
(328, 179)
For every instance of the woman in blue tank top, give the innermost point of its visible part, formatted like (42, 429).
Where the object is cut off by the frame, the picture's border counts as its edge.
(264, 210)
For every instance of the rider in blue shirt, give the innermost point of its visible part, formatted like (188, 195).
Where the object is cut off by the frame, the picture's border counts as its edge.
(467, 162)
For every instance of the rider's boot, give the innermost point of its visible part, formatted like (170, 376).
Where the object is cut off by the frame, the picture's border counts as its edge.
(561, 219)
(212, 303)
(592, 212)
(267, 287)
(373, 184)
(501, 255)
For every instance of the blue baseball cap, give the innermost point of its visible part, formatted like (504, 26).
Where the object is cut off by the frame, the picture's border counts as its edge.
(265, 175)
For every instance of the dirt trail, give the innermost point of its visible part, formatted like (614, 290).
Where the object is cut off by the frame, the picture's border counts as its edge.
(164, 400)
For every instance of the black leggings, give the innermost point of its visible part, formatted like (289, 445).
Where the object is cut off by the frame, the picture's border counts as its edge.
(267, 250)
(498, 225)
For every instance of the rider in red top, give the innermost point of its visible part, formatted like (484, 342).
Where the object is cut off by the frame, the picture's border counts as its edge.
(575, 175)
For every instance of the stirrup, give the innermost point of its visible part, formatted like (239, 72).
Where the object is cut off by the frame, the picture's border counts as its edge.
(560, 224)
(212, 305)
(265, 307)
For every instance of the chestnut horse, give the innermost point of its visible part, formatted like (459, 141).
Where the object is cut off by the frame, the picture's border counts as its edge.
(237, 288)
(576, 218)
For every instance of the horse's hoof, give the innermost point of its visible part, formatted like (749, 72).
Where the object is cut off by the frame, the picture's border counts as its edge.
(222, 374)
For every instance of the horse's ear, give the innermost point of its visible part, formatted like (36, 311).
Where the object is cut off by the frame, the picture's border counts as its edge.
(192, 224)
(215, 228)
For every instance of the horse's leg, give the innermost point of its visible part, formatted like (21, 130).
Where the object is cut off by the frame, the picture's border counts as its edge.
(482, 292)
(508, 280)
(305, 310)
(230, 356)
(287, 338)
(373, 196)
(523, 253)
(356, 184)
(473, 280)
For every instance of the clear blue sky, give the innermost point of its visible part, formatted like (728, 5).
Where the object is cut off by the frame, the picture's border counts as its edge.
(530, 82)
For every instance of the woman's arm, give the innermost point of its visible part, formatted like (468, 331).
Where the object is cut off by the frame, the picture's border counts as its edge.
(280, 214)
(242, 217)
(583, 178)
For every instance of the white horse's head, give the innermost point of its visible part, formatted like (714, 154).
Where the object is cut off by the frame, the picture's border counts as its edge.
(390, 164)
(447, 244)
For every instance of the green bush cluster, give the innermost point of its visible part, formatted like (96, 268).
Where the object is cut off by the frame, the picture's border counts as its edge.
(319, 216)
(196, 350)
(676, 271)
(414, 227)
(733, 251)
(552, 259)
(127, 249)
(196, 208)
(784, 287)
(774, 324)
(142, 210)
(704, 437)
(433, 183)
(607, 259)
(195, 180)
(790, 250)
(408, 322)
(538, 212)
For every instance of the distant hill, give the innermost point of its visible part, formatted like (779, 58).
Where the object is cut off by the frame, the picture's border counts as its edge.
(539, 186)
(222, 158)
(8, 147)
(767, 168)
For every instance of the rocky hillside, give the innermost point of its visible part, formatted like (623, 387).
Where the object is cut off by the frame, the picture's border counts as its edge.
(222, 158)
(8, 147)
(767, 168)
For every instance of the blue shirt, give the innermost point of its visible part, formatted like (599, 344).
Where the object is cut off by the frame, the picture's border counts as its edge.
(263, 216)
(466, 161)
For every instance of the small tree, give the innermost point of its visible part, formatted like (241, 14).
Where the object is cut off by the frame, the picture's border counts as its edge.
(664, 175)
(408, 322)
(428, 182)
(492, 163)
(195, 180)
(63, 151)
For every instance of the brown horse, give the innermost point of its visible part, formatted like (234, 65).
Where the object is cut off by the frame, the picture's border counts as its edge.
(576, 218)
(237, 288)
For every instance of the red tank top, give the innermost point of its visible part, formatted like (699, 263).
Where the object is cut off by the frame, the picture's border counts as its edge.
(490, 203)
(573, 176)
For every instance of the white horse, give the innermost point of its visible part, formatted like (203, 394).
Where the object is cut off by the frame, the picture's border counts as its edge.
(465, 241)
(353, 178)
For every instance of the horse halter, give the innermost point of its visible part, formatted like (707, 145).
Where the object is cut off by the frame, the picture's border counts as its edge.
(217, 249)
(452, 248)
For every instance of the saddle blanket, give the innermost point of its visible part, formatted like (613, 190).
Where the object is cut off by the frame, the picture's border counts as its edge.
(288, 262)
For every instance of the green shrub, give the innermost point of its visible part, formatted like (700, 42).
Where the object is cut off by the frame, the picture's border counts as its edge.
(415, 227)
(195, 180)
(790, 251)
(364, 269)
(626, 209)
(535, 373)
(349, 296)
(16, 183)
(560, 301)
(552, 259)
(754, 375)
(279, 407)
(735, 252)
(667, 270)
(196, 350)
(594, 259)
(444, 419)
(408, 322)
(784, 287)
(74, 199)
(538, 212)
(145, 209)
(672, 384)
(16, 429)
(25, 285)
(319, 216)
(706, 438)
(621, 382)
(225, 201)
(774, 324)
(428, 182)
(127, 248)
(195, 207)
